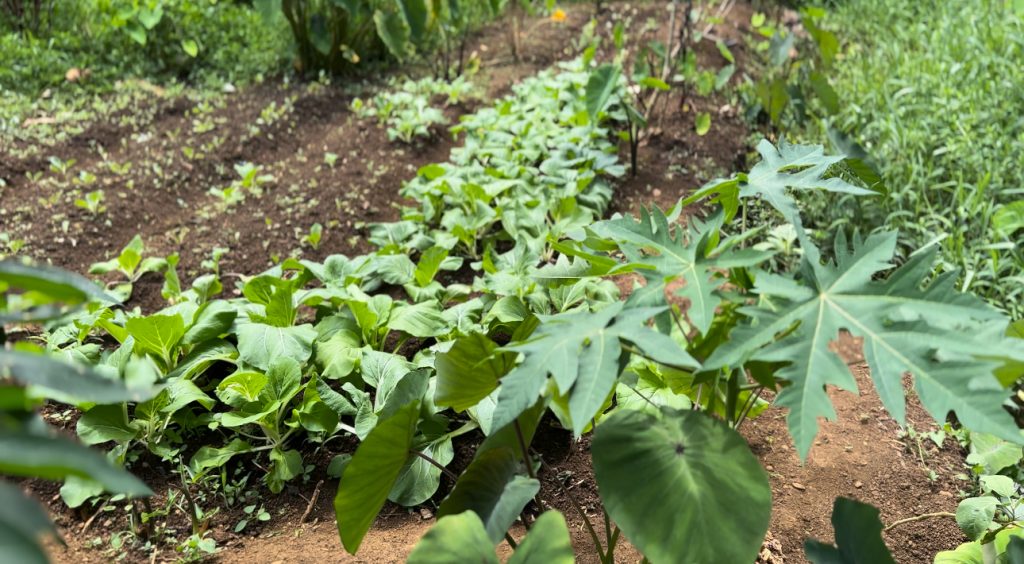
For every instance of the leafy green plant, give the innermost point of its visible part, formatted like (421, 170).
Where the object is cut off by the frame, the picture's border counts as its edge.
(28, 447)
(131, 263)
(92, 202)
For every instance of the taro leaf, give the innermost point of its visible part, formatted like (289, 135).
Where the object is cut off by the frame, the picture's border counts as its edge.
(603, 82)
(647, 467)
(649, 244)
(72, 383)
(394, 31)
(1002, 486)
(338, 356)
(369, 477)
(975, 514)
(52, 458)
(105, 423)
(77, 490)
(581, 351)
(419, 479)
(797, 167)
(455, 539)
(377, 367)
(469, 371)
(858, 533)
(931, 332)
(210, 457)
(492, 487)
(548, 541)
(258, 344)
(22, 523)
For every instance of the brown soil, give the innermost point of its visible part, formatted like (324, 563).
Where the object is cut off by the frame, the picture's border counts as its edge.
(165, 198)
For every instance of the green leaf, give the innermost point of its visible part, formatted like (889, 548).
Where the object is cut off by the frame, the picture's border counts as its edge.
(190, 47)
(1002, 486)
(702, 123)
(654, 83)
(648, 467)
(826, 94)
(369, 477)
(1009, 218)
(603, 82)
(394, 31)
(548, 541)
(992, 453)
(419, 479)
(150, 18)
(23, 522)
(455, 539)
(258, 344)
(469, 371)
(210, 457)
(212, 321)
(241, 388)
(580, 351)
(494, 488)
(51, 458)
(202, 357)
(935, 333)
(688, 255)
(430, 264)
(105, 423)
(787, 167)
(338, 356)
(43, 285)
(284, 465)
(419, 320)
(975, 514)
(71, 383)
(858, 533)
(157, 334)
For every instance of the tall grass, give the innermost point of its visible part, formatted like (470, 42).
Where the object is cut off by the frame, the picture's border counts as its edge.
(934, 90)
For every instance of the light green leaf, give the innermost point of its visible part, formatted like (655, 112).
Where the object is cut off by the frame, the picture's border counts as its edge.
(419, 320)
(258, 344)
(241, 387)
(975, 514)
(71, 383)
(209, 457)
(648, 467)
(702, 123)
(992, 453)
(157, 334)
(419, 479)
(212, 321)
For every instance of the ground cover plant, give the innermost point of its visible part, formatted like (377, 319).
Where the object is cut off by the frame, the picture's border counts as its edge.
(501, 304)
(935, 118)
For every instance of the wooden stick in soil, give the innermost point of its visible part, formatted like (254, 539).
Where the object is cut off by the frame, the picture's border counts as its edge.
(312, 502)
(92, 519)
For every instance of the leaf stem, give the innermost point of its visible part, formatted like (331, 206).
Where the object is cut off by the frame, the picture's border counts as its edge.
(440, 466)
(525, 450)
(921, 517)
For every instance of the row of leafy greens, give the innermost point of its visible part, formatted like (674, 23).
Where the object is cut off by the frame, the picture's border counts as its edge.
(510, 313)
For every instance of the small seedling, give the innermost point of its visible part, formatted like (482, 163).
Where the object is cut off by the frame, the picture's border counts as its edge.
(92, 202)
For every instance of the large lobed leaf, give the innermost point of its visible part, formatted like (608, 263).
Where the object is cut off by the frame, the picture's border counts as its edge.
(933, 332)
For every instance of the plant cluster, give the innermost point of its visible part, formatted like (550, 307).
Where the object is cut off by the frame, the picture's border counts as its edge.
(925, 121)
(509, 315)
(339, 36)
(406, 106)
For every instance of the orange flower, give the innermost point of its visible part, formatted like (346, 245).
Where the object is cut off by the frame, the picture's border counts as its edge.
(558, 15)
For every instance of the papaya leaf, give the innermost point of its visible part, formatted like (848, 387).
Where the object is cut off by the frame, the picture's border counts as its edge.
(931, 331)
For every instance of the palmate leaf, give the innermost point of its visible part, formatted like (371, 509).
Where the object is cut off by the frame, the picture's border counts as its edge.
(933, 332)
(689, 254)
(797, 167)
(582, 351)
